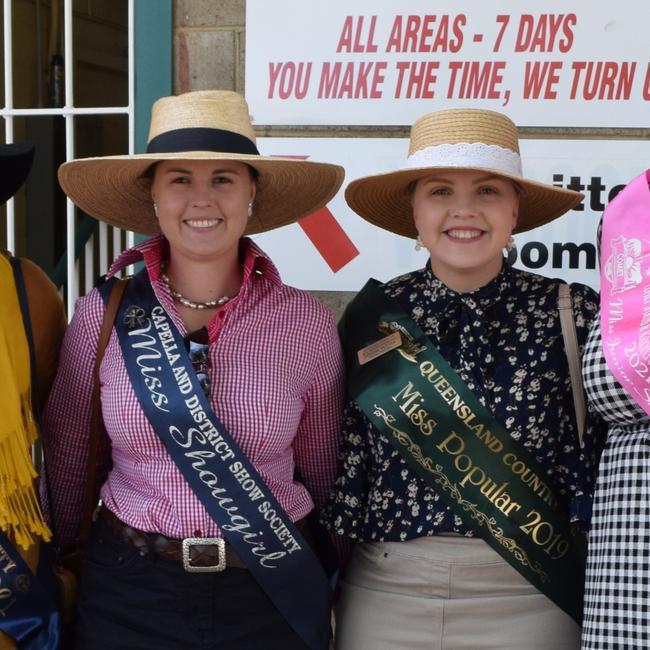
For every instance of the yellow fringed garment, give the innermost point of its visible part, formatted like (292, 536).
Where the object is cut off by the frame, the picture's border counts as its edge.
(20, 513)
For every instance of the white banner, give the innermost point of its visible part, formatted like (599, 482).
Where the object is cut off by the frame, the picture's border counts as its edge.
(338, 250)
(368, 62)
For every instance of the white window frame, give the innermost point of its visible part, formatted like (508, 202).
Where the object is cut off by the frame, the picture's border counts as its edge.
(69, 112)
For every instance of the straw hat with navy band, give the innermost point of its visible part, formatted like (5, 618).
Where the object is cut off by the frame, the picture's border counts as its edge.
(202, 125)
(455, 140)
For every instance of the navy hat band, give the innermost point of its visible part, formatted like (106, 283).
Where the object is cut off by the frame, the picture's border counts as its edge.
(202, 139)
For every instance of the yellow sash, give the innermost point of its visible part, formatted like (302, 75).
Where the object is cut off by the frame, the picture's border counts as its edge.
(20, 513)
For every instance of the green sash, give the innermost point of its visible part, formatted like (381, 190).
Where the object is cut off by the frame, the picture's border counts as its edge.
(450, 439)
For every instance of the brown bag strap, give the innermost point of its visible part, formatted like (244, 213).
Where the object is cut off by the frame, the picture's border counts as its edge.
(96, 426)
(567, 322)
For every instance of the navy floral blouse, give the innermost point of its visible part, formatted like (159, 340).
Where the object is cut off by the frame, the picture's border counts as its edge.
(504, 340)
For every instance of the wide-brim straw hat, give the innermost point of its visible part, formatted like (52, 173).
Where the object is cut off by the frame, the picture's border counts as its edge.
(202, 125)
(15, 162)
(454, 140)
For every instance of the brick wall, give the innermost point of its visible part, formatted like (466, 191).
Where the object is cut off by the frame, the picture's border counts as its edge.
(209, 45)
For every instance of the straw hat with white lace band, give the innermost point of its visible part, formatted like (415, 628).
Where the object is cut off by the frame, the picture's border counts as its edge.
(456, 140)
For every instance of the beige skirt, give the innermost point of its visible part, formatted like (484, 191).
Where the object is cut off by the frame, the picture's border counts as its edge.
(444, 593)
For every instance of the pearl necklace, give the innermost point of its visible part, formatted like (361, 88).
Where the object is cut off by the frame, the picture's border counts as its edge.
(186, 302)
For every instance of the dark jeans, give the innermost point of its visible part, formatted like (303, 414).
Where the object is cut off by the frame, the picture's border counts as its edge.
(132, 602)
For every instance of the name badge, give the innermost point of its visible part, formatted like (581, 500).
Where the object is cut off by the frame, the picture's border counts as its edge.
(376, 349)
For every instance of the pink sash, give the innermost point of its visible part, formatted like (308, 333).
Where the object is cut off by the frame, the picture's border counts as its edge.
(625, 288)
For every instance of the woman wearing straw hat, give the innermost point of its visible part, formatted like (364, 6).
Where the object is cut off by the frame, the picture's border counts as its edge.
(219, 385)
(461, 468)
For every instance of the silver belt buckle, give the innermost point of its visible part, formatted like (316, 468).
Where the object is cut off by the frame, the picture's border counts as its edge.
(189, 542)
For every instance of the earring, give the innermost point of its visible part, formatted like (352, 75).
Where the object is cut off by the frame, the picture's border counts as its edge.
(250, 209)
(155, 209)
(418, 244)
(511, 251)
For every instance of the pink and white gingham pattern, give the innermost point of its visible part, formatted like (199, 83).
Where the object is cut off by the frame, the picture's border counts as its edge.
(277, 384)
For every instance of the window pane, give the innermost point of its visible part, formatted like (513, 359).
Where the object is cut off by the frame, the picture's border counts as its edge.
(100, 47)
(101, 53)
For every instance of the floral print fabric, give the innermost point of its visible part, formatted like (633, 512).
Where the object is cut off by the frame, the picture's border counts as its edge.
(504, 340)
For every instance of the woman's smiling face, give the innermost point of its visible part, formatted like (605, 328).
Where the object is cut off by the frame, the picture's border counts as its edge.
(202, 205)
(464, 219)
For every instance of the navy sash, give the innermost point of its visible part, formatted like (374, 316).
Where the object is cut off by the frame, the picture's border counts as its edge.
(27, 613)
(213, 465)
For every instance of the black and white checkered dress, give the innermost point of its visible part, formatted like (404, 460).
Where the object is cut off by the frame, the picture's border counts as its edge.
(617, 591)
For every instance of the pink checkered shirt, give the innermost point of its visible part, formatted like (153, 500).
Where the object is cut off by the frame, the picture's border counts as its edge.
(277, 384)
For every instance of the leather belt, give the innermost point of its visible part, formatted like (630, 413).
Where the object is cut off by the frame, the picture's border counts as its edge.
(196, 554)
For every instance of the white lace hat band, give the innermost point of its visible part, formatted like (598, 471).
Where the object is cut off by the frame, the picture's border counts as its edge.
(467, 154)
